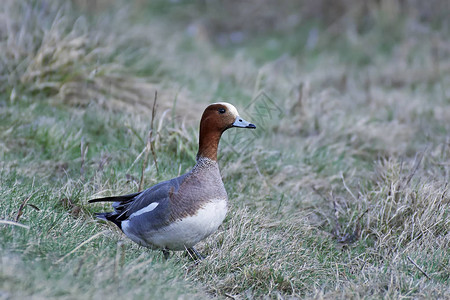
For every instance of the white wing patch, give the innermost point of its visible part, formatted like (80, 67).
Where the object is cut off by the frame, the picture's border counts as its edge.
(144, 210)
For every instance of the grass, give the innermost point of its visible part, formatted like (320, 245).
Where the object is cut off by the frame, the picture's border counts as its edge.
(341, 192)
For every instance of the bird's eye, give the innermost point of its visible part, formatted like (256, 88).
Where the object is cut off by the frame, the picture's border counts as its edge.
(222, 110)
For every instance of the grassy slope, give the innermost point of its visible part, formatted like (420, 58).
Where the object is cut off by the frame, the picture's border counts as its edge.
(352, 144)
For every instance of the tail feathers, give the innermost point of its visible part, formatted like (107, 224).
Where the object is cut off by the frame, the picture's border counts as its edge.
(102, 216)
(115, 198)
(109, 216)
(120, 203)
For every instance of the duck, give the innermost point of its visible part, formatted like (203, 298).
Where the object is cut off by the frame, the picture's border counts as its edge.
(176, 214)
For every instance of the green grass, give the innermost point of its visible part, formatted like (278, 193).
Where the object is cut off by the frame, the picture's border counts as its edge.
(341, 192)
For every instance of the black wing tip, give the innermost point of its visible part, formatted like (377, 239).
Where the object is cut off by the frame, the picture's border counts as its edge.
(115, 198)
(106, 199)
(102, 216)
(109, 216)
(99, 200)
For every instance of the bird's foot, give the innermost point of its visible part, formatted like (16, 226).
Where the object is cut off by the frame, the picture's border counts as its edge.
(194, 254)
(166, 253)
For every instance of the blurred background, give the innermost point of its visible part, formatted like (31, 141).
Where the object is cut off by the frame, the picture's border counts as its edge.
(167, 40)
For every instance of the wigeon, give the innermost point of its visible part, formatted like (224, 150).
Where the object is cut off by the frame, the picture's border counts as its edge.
(178, 213)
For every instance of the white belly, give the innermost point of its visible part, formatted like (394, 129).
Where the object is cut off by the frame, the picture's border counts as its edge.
(189, 231)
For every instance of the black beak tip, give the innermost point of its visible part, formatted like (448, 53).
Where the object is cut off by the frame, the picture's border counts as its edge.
(252, 126)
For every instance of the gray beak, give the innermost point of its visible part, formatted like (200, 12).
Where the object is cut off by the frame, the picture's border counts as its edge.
(239, 122)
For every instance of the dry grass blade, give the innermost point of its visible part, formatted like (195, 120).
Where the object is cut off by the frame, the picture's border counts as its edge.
(420, 269)
(336, 226)
(337, 229)
(229, 296)
(152, 147)
(22, 206)
(14, 224)
(149, 146)
(145, 162)
(81, 245)
(418, 160)
(347, 188)
(84, 150)
(138, 266)
(120, 258)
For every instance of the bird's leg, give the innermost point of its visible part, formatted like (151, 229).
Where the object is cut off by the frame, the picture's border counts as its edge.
(166, 253)
(194, 254)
